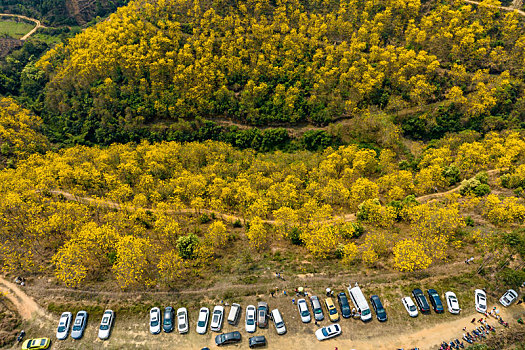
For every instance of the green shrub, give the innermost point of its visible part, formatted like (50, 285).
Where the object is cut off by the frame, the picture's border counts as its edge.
(237, 223)
(481, 190)
(295, 236)
(186, 246)
(204, 218)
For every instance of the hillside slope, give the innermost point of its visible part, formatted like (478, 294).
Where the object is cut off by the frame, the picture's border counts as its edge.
(293, 62)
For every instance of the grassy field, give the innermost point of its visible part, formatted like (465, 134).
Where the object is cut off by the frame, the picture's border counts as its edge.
(13, 28)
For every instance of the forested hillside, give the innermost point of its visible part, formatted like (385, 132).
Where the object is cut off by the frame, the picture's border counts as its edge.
(290, 62)
(165, 213)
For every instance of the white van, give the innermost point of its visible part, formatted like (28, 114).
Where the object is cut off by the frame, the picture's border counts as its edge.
(360, 303)
(235, 312)
(278, 321)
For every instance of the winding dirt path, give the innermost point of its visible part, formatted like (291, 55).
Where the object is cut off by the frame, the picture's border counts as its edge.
(38, 24)
(509, 8)
(231, 217)
(25, 305)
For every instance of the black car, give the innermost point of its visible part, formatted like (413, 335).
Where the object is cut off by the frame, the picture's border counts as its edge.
(435, 300)
(378, 308)
(343, 304)
(421, 301)
(257, 341)
(228, 338)
(167, 325)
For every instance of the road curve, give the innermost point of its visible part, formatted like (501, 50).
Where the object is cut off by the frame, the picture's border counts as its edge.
(38, 24)
(497, 7)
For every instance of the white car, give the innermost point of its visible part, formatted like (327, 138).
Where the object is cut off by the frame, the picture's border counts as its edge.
(410, 306)
(250, 319)
(509, 297)
(105, 325)
(328, 332)
(303, 310)
(480, 298)
(452, 303)
(154, 320)
(182, 320)
(216, 318)
(202, 322)
(63, 325)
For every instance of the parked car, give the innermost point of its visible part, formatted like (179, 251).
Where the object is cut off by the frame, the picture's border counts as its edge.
(316, 308)
(480, 299)
(167, 322)
(278, 321)
(250, 319)
(303, 310)
(332, 311)
(452, 303)
(378, 308)
(183, 325)
(79, 325)
(257, 341)
(202, 321)
(262, 314)
(410, 306)
(360, 303)
(63, 325)
(508, 298)
(228, 338)
(421, 301)
(154, 320)
(216, 318)
(435, 300)
(104, 331)
(36, 344)
(344, 305)
(234, 315)
(328, 332)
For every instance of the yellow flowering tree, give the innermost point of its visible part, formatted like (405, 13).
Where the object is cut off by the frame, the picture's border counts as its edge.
(410, 255)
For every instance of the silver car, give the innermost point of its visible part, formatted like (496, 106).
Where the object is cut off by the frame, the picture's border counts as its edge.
(79, 325)
(508, 298)
(316, 308)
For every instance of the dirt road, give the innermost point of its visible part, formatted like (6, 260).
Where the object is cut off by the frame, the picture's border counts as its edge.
(231, 217)
(36, 21)
(27, 308)
(510, 8)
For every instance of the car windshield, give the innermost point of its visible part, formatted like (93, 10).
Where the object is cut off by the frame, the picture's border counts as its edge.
(42, 342)
(318, 311)
(104, 327)
(279, 324)
(250, 322)
(201, 323)
(61, 329)
(167, 321)
(366, 312)
(325, 332)
(304, 313)
(77, 328)
(412, 308)
(333, 311)
(380, 311)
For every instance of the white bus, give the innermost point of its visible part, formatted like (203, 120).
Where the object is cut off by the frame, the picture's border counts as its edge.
(360, 303)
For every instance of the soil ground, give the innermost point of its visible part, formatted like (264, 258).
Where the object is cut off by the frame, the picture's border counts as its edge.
(131, 330)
